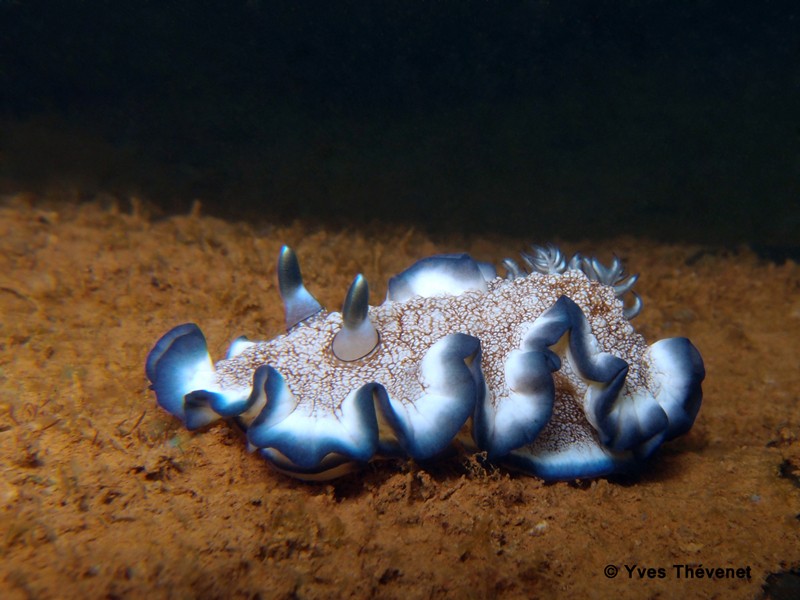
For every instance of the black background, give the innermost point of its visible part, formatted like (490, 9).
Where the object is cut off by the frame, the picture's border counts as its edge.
(676, 120)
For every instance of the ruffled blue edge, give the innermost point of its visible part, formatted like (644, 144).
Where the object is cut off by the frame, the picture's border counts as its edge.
(370, 424)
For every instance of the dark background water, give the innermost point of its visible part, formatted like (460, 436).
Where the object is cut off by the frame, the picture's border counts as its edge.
(672, 119)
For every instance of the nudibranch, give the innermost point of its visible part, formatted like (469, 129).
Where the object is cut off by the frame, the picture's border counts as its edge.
(540, 370)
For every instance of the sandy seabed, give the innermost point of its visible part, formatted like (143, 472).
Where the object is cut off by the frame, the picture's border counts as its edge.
(104, 495)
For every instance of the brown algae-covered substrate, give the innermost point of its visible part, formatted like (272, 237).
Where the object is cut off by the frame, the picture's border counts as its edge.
(105, 495)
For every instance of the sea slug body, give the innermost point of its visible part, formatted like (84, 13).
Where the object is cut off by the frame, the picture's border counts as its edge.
(541, 370)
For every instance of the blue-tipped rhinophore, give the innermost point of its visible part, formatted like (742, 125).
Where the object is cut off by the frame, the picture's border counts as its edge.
(297, 300)
(358, 337)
